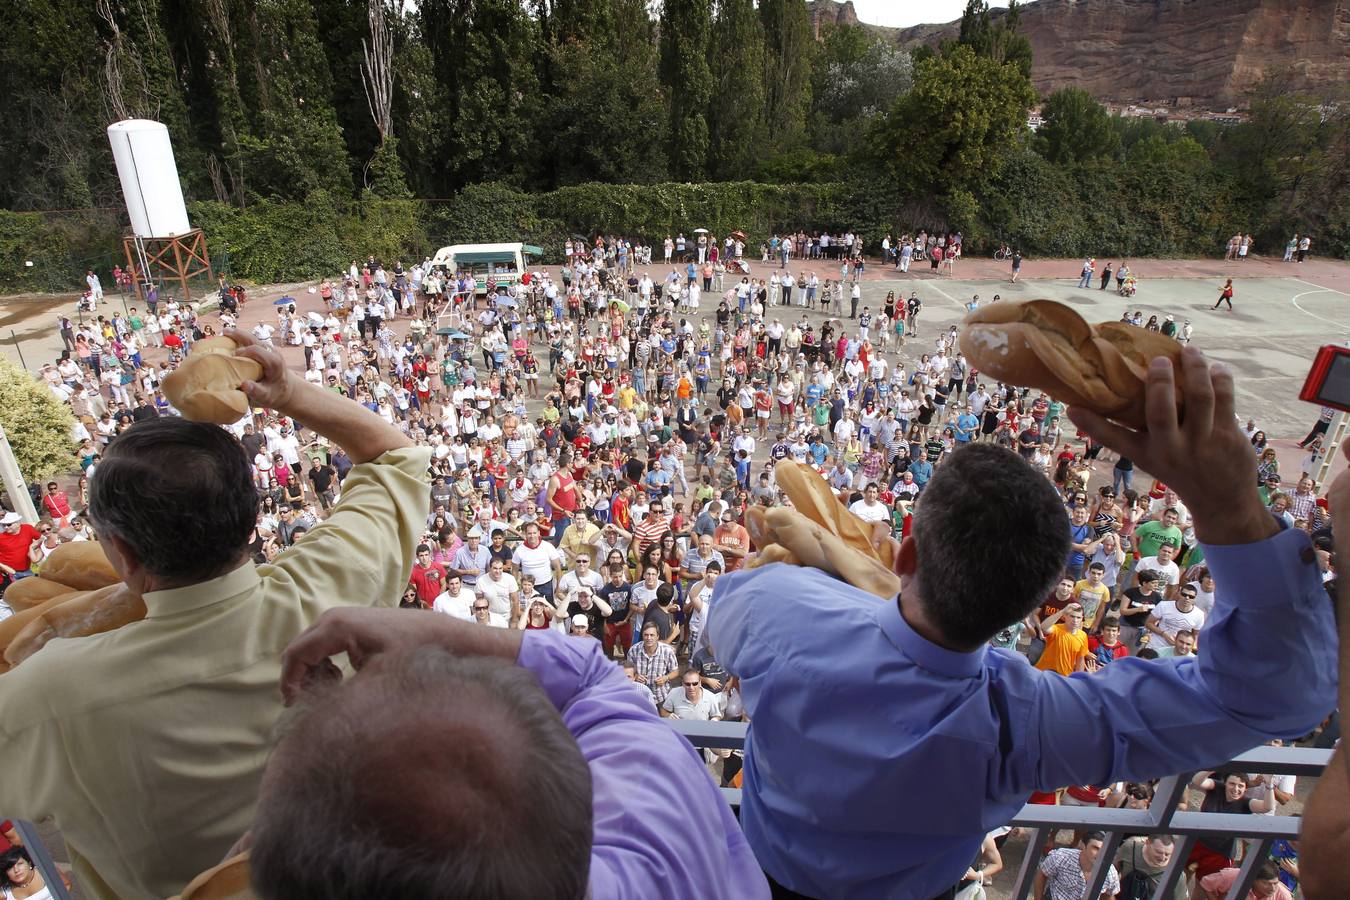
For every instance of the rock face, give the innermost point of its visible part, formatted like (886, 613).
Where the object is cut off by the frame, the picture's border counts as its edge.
(1212, 51)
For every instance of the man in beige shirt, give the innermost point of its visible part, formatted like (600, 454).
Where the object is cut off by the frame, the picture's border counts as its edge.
(147, 743)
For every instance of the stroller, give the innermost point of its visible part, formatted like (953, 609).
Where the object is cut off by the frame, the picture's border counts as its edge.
(1128, 286)
(738, 266)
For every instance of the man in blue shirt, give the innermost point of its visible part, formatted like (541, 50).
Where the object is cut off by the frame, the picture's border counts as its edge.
(923, 738)
(967, 425)
(922, 470)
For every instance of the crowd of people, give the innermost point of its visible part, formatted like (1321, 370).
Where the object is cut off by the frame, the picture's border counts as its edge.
(597, 436)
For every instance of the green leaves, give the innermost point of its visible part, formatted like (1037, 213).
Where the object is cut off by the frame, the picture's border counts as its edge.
(960, 121)
(37, 424)
(1076, 127)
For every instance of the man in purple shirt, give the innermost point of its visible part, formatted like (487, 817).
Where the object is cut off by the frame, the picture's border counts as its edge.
(468, 761)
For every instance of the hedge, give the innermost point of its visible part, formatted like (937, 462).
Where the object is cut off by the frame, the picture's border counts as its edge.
(1144, 206)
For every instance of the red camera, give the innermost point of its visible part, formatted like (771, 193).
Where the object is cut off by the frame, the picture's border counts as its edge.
(1328, 381)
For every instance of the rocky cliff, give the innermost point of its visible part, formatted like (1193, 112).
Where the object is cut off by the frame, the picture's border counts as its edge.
(1212, 51)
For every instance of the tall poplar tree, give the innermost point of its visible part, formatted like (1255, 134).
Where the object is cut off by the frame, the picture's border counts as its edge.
(736, 129)
(686, 30)
(788, 51)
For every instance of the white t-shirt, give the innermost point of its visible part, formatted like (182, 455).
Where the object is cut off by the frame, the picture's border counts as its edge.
(498, 593)
(460, 607)
(1203, 599)
(678, 704)
(1171, 620)
(574, 579)
(1169, 573)
(537, 562)
(1284, 783)
(875, 512)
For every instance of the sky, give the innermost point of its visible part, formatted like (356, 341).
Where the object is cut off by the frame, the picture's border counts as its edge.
(899, 13)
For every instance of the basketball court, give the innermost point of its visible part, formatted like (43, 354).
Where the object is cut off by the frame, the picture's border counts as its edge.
(1268, 340)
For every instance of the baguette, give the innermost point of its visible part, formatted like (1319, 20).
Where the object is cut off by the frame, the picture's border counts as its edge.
(29, 592)
(1047, 345)
(205, 388)
(10, 628)
(80, 564)
(78, 615)
(812, 497)
(795, 538)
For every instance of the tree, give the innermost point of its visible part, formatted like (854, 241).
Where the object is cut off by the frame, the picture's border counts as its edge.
(686, 29)
(856, 77)
(999, 40)
(736, 127)
(38, 426)
(960, 121)
(788, 51)
(1074, 127)
(488, 100)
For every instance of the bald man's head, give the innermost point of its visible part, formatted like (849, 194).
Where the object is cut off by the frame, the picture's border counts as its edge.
(426, 775)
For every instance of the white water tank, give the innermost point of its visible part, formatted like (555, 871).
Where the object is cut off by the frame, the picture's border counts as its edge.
(149, 177)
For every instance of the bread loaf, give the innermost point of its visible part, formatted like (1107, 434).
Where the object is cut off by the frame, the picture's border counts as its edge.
(205, 388)
(11, 627)
(81, 564)
(1047, 345)
(29, 592)
(77, 615)
(819, 532)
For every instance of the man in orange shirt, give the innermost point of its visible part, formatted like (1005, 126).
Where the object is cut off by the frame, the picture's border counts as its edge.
(731, 540)
(1066, 644)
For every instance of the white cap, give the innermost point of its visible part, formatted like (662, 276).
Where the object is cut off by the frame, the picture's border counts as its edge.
(580, 621)
(11, 518)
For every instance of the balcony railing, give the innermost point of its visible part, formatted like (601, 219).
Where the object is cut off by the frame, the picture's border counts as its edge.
(1161, 817)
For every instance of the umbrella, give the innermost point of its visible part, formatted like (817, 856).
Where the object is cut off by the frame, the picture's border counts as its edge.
(700, 231)
(458, 336)
(738, 234)
(447, 332)
(506, 301)
(284, 301)
(623, 307)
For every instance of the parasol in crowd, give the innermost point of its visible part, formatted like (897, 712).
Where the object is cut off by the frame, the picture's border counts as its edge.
(284, 301)
(446, 332)
(623, 307)
(739, 235)
(700, 231)
(503, 300)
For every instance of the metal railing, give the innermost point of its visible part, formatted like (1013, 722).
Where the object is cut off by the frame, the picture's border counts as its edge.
(1161, 816)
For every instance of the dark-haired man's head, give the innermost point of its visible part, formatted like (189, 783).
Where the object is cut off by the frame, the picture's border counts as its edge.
(496, 801)
(174, 502)
(989, 541)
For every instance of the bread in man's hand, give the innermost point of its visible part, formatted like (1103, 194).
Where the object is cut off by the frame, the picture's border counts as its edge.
(1047, 345)
(80, 564)
(812, 497)
(206, 387)
(77, 615)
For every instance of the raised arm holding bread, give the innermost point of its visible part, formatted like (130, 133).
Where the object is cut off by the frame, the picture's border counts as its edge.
(172, 715)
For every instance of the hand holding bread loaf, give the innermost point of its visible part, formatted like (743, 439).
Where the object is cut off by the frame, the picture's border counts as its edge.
(1047, 345)
(76, 593)
(206, 387)
(820, 532)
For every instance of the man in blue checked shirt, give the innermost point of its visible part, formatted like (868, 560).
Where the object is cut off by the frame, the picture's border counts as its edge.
(887, 738)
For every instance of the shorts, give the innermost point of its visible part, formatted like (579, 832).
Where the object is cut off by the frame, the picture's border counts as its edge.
(623, 632)
(762, 413)
(1206, 861)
